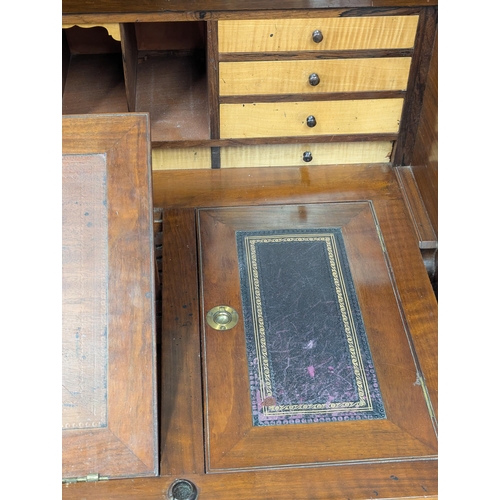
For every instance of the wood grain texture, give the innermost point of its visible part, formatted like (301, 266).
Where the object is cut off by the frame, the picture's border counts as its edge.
(416, 86)
(157, 6)
(416, 480)
(175, 158)
(232, 442)
(213, 79)
(310, 55)
(129, 58)
(257, 186)
(425, 157)
(339, 75)
(181, 416)
(345, 33)
(172, 88)
(127, 446)
(66, 58)
(276, 140)
(94, 84)
(421, 222)
(289, 118)
(293, 154)
(131, 14)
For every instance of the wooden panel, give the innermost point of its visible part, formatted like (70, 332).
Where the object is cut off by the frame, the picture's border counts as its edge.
(425, 156)
(289, 118)
(293, 154)
(95, 84)
(129, 57)
(417, 82)
(181, 416)
(292, 77)
(232, 441)
(181, 6)
(416, 480)
(175, 158)
(338, 34)
(112, 29)
(172, 88)
(416, 208)
(109, 403)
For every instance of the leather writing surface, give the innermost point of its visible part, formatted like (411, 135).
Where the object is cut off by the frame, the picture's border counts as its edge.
(84, 291)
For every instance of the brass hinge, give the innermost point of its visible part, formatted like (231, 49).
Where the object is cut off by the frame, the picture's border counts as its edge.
(89, 478)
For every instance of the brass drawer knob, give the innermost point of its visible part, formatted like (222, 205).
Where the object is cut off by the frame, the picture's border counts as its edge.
(307, 156)
(317, 36)
(314, 79)
(311, 121)
(222, 317)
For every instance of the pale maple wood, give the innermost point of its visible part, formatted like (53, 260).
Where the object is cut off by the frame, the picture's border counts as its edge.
(282, 119)
(278, 35)
(126, 445)
(174, 158)
(286, 155)
(336, 75)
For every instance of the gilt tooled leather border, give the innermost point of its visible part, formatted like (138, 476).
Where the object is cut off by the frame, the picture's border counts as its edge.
(308, 355)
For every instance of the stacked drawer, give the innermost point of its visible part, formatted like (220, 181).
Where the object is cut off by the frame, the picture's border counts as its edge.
(313, 78)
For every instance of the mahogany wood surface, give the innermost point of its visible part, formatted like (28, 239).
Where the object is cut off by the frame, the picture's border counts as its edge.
(213, 79)
(126, 445)
(117, 6)
(326, 183)
(417, 81)
(172, 88)
(129, 57)
(327, 54)
(416, 480)
(425, 158)
(181, 427)
(232, 442)
(184, 191)
(423, 227)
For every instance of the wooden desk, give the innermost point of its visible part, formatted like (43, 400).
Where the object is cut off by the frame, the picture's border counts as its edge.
(194, 170)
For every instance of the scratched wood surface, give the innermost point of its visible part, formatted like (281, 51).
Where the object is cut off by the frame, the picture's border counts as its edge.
(108, 298)
(84, 289)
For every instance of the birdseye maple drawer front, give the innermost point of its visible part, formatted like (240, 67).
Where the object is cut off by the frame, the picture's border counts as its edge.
(282, 119)
(313, 76)
(180, 158)
(338, 33)
(298, 155)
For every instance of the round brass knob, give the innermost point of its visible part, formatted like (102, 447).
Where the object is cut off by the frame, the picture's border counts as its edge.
(222, 318)
(317, 36)
(313, 79)
(307, 156)
(311, 121)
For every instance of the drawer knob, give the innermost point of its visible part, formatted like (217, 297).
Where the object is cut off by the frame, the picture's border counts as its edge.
(317, 36)
(307, 156)
(311, 121)
(313, 79)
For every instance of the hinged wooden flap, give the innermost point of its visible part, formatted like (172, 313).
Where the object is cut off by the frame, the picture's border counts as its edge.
(108, 347)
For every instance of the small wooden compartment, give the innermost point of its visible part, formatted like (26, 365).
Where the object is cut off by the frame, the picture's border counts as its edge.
(159, 68)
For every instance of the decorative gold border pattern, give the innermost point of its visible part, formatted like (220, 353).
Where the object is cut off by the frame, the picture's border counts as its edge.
(364, 403)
